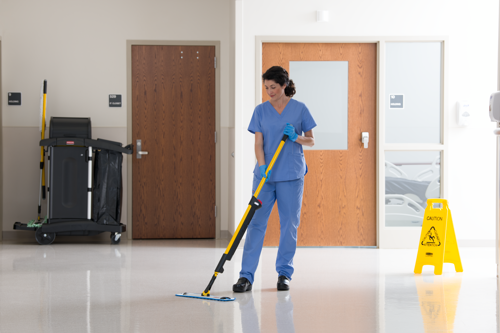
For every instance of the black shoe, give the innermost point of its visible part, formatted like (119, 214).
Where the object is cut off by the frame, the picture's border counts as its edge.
(242, 285)
(283, 283)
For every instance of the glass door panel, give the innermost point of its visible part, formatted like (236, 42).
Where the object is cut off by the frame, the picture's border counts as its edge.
(413, 92)
(411, 177)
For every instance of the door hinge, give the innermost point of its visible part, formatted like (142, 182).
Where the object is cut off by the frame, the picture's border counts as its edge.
(215, 62)
(215, 211)
(215, 137)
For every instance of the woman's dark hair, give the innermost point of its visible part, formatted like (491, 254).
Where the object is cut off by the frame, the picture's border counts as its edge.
(279, 75)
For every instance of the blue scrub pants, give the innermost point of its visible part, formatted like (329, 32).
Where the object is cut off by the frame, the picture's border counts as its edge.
(289, 196)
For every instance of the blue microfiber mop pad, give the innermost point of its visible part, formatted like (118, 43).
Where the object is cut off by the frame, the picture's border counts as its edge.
(200, 296)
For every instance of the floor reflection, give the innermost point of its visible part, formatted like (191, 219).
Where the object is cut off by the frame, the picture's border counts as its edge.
(438, 297)
(423, 303)
(73, 289)
(131, 288)
(283, 312)
(498, 305)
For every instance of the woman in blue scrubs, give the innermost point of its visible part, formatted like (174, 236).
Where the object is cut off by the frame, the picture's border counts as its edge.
(285, 183)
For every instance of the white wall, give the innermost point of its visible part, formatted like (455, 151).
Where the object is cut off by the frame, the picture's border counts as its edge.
(472, 28)
(80, 48)
(232, 103)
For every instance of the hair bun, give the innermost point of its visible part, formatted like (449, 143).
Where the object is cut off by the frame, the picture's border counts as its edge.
(290, 89)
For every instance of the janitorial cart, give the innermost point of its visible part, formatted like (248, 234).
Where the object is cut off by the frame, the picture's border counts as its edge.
(85, 183)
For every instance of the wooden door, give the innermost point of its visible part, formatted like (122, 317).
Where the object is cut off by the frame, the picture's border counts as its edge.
(173, 113)
(339, 203)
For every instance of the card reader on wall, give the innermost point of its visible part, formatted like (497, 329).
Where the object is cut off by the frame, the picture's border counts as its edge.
(495, 107)
(463, 113)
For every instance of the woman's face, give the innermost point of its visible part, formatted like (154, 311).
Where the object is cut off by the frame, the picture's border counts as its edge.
(274, 90)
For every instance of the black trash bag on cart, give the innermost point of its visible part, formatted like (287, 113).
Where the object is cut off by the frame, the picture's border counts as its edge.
(107, 187)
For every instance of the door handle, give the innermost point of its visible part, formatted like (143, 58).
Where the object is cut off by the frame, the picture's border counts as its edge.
(139, 151)
(365, 137)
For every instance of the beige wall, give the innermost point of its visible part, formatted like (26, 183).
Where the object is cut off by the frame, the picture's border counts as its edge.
(80, 48)
(1, 139)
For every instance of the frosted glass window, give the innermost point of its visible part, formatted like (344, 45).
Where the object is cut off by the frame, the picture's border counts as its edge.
(323, 87)
(413, 92)
(411, 177)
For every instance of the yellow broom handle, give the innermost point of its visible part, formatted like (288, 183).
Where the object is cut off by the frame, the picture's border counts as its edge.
(43, 120)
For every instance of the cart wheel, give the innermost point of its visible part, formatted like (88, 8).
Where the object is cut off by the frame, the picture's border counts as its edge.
(115, 238)
(45, 238)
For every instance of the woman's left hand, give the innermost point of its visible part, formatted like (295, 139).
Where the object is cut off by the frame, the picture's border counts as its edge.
(290, 131)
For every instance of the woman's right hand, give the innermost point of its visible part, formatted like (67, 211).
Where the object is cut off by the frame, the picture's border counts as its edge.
(262, 169)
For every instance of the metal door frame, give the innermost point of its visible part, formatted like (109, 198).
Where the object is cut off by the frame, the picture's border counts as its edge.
(216, 44)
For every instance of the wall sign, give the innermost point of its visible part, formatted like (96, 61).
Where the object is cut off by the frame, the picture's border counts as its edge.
(14, 98)
(115, 101)
(396, 101)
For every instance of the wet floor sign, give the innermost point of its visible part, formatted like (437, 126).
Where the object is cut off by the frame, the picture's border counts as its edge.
(438, 243)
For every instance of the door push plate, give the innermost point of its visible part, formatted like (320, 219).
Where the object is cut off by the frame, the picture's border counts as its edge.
(139, 150)
(365, 137)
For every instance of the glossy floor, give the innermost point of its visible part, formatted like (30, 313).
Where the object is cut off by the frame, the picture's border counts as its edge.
(96, 287)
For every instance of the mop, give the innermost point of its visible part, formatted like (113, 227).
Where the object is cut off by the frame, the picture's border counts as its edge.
(253, 205)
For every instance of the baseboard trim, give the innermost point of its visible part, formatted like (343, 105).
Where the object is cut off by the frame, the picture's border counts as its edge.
(29, 236)
(22, 236)
(225, 234)
(476, 243)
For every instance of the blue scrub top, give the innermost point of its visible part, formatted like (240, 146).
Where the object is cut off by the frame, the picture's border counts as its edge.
(291, 163)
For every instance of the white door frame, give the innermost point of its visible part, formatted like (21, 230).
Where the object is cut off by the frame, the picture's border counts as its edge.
(130, 43)
(387, 237)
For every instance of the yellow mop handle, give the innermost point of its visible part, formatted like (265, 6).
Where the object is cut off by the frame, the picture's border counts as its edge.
(245, 221)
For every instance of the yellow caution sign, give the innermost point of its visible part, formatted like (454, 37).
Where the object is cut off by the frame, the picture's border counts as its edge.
(438, 298)
(438, 243)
